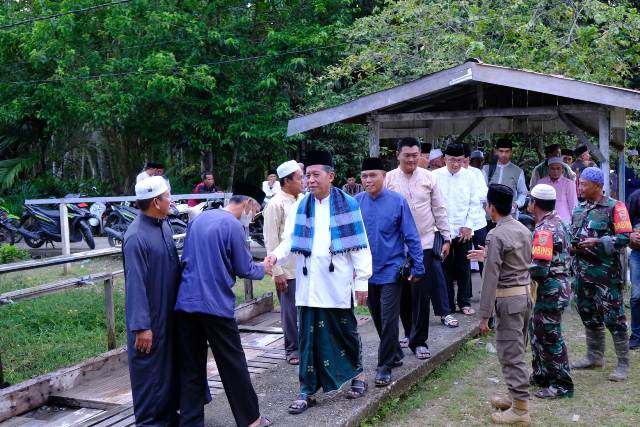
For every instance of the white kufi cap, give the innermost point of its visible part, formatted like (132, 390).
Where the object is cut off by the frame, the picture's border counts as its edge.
(151, 187)
(434, 154)
(287, 168)
(543, 192)
(554, 160)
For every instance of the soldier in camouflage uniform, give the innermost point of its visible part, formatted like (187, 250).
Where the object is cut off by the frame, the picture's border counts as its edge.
(550, 270)
(600, 231)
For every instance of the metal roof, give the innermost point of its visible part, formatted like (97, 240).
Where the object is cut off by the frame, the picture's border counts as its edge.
(473, 86)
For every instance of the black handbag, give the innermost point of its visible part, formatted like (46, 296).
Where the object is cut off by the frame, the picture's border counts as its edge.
(438, 243)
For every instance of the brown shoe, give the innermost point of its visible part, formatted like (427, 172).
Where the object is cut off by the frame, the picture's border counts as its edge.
(501, 402)
(518, 414)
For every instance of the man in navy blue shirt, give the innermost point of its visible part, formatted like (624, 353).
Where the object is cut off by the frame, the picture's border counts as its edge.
(215, 252)
(390, 227)
(151, 275)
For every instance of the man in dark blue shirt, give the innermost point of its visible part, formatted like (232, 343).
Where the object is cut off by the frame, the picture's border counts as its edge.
(152, 275)
(215, 252)
(390, 226)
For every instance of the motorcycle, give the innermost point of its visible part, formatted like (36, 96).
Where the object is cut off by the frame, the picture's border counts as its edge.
(41, 226)
(187, 213)
(256, 229)
(122, 216)
(9, 224)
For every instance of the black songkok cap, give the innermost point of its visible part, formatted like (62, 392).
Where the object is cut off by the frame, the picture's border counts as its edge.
(425, 148)
(467, 149)
(151, 165)
(499, 194)
(504, 143)
(372, 163)
(316, 157)
(249, 190)
(551, 148)
(271, 172)
(580, 150)
(455, 150)
(567, 152)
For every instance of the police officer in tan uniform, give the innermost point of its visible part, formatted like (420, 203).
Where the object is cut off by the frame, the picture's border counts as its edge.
(505, 286)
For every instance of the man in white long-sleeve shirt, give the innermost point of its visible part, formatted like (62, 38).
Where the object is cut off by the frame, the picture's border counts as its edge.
(458, 188)
(506, 173)
(326, 233)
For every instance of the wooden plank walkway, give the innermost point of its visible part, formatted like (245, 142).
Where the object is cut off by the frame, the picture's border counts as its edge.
(106, 401)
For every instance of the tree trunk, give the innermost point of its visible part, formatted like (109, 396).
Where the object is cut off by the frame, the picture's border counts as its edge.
(232, 171)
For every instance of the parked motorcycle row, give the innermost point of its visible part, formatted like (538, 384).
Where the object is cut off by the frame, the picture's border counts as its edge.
(40, 224)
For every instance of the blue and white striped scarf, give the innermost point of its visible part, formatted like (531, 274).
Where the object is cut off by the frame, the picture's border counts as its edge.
(345, 224)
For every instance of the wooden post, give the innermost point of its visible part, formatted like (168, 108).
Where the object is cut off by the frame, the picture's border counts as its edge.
(64, 233)
(603, 144)
(248, 283)
(110, 313)
(374, 138)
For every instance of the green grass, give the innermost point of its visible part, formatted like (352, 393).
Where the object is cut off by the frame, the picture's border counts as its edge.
(458, 392)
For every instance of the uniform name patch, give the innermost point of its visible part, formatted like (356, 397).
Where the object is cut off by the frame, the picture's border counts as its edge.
(621, 220)
(543, 245)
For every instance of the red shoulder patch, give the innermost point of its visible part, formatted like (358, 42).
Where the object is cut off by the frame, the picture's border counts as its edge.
(621, 220)
(542, 245)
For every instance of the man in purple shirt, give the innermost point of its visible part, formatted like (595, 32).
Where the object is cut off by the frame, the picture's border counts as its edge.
(566, 197)
(390, 226)
(215, 252)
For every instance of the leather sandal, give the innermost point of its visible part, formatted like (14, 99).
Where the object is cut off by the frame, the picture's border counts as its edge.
(301, 404)
(422, 353)
(383, 377)
(358, 389)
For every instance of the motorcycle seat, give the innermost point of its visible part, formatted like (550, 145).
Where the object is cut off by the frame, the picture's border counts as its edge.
(54, 213)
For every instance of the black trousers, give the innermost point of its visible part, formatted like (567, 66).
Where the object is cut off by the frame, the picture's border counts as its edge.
(415, 303)
(289, 319)
(457, 268)
(195, 330)
(384, 305)
(480, 239)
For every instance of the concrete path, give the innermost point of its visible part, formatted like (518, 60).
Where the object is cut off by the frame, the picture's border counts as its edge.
(277, 389)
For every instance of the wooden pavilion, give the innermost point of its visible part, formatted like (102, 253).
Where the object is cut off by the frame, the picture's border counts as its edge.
(475, 98)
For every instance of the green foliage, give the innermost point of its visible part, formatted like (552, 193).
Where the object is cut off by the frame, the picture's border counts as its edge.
(178, 80)
(10, 253)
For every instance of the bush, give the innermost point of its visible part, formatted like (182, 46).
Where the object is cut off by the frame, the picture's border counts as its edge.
(10, 253)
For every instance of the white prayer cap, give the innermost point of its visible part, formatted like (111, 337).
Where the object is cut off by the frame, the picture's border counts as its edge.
(632, 152)
(543, 192)
(287, 168)
(477, 154)
(151, 187)
(554, 160)
(434, 154)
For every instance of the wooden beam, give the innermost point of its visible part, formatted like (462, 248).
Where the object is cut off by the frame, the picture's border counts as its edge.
(389, 133)
(584, 139)
(603, 143)
(556, 85)
(50, 288)
(592, 129)
(110, 313)
(260, 329)
(263, 304)
(469, 129)
(374, 138)
(488, 112)
(57, 260)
